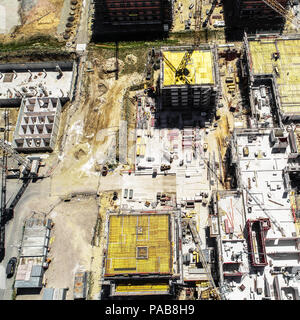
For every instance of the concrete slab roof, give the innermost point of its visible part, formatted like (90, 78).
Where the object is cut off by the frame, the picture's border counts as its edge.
(139, 244)
(35, 84)
(261, 174)
(200, 67)
(287, 67)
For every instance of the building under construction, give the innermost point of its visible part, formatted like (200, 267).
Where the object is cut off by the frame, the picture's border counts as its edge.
(189, 77)
(254, 14)
(142, 253)
(259, 221)
(123, 17)
(274, 62)
(36, 79)
(37, 125)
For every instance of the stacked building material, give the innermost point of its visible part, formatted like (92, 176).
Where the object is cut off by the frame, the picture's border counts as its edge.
(187, 138)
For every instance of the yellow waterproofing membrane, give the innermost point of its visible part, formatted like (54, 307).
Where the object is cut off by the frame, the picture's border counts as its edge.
(288, 66)
(127, 233)
(200, 67)
(147, 287)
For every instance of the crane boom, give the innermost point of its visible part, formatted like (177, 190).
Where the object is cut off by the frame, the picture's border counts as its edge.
(10, 151)
(3, 191)
(179, 72)
(273, 220)
(279, 9)
(198, 21)
(202, 258)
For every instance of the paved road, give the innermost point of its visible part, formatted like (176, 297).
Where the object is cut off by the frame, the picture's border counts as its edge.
(82, 35)
(14, 228)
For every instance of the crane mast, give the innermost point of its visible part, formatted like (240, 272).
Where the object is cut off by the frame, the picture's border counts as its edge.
(198, 21)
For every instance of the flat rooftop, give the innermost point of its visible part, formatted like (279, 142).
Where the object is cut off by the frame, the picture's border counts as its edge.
(288, 66)
(36, 79)
(200, 67)
(139, 244)
(262, 175)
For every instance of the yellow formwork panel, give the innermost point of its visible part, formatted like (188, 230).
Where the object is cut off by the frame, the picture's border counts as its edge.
(147, 287)
(127, 233)
(200, 67)
(142, 150)
(288, 66)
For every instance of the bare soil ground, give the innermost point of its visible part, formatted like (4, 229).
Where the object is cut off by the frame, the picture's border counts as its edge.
(93, 128)
(106, 203)
(71, 240)
(37, 18)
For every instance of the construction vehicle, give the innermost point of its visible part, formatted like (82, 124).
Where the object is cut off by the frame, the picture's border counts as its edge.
(165, 167)
(147, 204)
(246, 151)
(104, 171)
(210, 12)
(130, 194)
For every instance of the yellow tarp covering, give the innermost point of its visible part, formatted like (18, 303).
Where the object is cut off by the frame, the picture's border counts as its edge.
(127, 233)
(147, 287)
(288, 66)
(200, 67)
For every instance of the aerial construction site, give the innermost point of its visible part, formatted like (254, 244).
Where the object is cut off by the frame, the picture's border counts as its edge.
(150, 150)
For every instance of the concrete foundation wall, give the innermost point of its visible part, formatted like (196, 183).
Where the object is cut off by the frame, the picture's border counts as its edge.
(37, 79)
(37, 125)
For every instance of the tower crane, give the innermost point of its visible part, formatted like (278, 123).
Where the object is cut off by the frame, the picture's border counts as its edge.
(198, 21)
(30, 167)
(3, 190)
(213, 290)
(180, 72)
(26, 163)
(275, 5)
